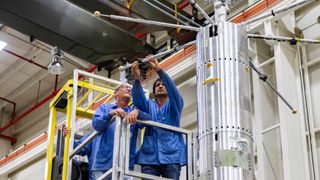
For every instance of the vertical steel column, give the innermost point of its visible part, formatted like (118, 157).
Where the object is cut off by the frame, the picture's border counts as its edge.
(127, 149)
(116, 148)
(224, 124)
(122, 149)
(189, 139)
(50, 149)
(195, 156)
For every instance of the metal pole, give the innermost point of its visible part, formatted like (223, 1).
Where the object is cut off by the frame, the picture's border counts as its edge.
(87, 140)
(281, 38)
(164, 12)
(72, 112)
(84, 143)
(143, 21)
(189, 158)
(144, 60)
(275, 12)
(122, 149)
(159, 125)
(195, 149)
(105, 175)
(193, 3)
(264, 78)
(127, 149)
(116, 141)
(163, 126)
(294, 111)
(179, 14)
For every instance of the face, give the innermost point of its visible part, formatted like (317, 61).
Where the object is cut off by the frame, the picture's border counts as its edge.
(160, 89)
(124, 91)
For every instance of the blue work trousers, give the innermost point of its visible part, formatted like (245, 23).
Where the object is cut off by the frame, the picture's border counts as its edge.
(171, 171)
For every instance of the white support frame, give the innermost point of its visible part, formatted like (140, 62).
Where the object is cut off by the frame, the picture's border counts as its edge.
(76, 75)
(292, 126)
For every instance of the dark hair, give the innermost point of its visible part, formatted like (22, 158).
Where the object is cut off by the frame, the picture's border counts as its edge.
(154, 86)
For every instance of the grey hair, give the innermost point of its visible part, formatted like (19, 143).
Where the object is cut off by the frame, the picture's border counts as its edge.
(120, 86)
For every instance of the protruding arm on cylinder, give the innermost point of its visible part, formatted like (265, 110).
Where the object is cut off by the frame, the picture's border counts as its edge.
(144, 21)
(264, 78)
(205, 15)
(276, 11)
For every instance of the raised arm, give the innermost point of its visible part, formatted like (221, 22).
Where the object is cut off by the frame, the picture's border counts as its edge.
(138, 97)
(176, 100)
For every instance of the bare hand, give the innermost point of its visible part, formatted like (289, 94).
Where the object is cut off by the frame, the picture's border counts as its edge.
(154, 64)
(118, 112)
(135, 70)
(65, 131)
(132, 117)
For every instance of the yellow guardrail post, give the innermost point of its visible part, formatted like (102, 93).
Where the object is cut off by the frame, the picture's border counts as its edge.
(67, 138)
(108, 98)
(84, 97)
(176, 15)
(50, 149)
(94, 100)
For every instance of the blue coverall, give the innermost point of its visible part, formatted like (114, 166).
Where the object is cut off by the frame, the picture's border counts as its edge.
(160, 146)
(103, 148)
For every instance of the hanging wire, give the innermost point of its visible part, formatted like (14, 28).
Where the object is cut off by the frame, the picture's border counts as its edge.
(38, 93)
(2, 112)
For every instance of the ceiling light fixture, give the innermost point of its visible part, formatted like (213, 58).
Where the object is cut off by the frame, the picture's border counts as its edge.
(56, 67)
(2, 45)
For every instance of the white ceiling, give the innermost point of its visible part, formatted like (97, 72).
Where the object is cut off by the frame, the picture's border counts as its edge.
(23, 82)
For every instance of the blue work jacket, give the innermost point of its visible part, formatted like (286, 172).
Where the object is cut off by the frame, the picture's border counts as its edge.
(86, 151)
(161, 146)
(103, 148)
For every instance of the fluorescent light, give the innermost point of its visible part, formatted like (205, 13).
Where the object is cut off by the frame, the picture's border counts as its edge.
(2, 45)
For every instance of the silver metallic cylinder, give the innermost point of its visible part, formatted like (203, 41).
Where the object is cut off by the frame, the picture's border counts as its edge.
(223, 93)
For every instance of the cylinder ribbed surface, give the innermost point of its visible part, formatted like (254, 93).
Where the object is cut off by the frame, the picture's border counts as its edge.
(223, 92)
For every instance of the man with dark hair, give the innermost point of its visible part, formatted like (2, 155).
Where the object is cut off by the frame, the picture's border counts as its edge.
(163, 152)
(101, 122)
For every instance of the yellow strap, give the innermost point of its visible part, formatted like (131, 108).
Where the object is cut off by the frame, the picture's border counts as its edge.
(129, 3)
(210, 80)
(176, 15)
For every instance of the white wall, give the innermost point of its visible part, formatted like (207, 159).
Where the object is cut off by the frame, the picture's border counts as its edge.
(34, 171)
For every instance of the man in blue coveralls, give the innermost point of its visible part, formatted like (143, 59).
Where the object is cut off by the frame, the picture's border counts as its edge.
(163, 152)
(101, 122)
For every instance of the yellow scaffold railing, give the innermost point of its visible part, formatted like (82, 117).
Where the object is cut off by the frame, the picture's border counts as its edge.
(62, 102)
